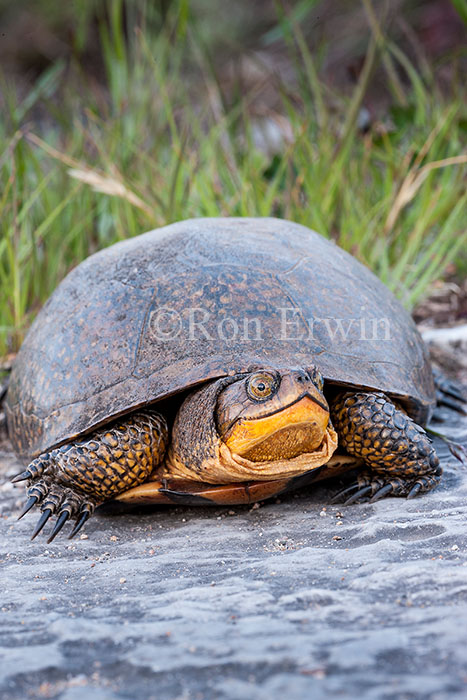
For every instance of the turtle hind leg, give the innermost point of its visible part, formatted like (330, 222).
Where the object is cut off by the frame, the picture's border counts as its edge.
(398, 455)
(70, 481)
(448, 393)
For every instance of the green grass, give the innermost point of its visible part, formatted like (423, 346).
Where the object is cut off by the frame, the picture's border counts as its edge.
(82, 168)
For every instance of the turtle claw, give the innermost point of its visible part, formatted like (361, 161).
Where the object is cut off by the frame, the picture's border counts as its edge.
(36, 495)
(62, 501)
(22, 476)
(359, 494)
(414, 490)
(79, 523)
(337, 498)
(42, 521)
(373, 487)
(364, 490)
(381, 493)
(34, 471)
(60, 522)
(30, 503)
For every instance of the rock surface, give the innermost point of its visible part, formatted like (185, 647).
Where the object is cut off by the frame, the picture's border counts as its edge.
(296, 598)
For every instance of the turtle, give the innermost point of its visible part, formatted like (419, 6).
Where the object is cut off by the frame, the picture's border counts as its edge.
(219, 361)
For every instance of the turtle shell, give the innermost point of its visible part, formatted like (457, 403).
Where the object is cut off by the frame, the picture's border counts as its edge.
(159, 313)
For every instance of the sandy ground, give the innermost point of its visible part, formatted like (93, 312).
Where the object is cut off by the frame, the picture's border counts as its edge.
(295, 598)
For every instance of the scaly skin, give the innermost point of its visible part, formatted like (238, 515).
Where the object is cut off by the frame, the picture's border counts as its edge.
(71, 480)
(398, 454)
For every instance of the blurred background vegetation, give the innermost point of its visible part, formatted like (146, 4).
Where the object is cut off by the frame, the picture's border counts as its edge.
(120, 116)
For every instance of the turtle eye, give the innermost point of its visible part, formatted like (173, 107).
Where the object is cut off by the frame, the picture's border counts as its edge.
(261, 386)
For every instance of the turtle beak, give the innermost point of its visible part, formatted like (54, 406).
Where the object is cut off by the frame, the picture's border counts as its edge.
(300, 384)
(315, 395)
(304, 423)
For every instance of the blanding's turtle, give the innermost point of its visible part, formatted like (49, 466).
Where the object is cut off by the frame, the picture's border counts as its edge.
(223, 361)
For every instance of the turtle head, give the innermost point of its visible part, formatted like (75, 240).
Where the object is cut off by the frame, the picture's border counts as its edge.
(262, 425)
(273, 415)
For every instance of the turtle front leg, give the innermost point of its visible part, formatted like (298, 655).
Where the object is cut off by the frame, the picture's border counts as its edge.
(72, 480)
(399, 457)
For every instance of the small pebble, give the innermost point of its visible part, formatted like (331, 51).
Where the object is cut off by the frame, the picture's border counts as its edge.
(123, 580)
